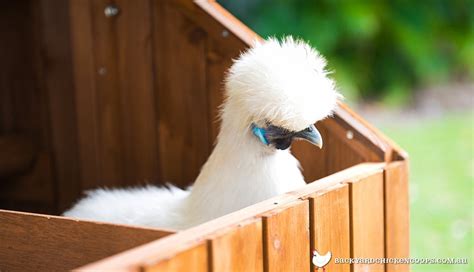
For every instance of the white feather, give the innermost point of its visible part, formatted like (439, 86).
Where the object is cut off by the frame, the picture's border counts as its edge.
(137, 206)
(283, 83)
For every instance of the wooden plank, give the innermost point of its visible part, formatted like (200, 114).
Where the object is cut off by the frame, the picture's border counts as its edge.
(339, 154)
(330, 225)
(367, 220)
(363, 139)
(52, 243)
(182, 101)
(374, 138)
(238, 248)
(397, 215)
(23, 107)
(56, 73)
(21, 94)
(217, 65)
(137, 106)
(194, 259)
(117, 112)
(216, 21)
(170, 246)
(109, 97)
(85, 91)
(286, 238)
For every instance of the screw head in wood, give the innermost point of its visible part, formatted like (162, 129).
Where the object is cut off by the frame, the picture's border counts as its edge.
(111, 10)
(349, 135)
(102, 71)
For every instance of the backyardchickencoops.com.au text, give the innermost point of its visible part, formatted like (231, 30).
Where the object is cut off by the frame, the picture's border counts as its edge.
(400, 261)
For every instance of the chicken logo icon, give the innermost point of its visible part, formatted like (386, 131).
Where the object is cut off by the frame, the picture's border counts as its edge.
(320, 261)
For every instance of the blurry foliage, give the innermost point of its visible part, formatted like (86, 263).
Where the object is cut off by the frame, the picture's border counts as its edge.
(375, 48)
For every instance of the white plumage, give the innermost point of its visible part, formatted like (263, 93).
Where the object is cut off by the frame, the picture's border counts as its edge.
(274, 84)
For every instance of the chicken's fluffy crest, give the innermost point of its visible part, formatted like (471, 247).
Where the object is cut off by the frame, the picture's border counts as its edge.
(283, 82)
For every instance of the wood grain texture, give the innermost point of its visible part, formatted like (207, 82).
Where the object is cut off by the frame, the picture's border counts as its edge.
(193, 259)
(239, 248)
(375, 139)
(55, 72)
(286, 238)
(85, 91)
(217, 65)
(397, 215)
(137, 91)
(215, 20)
(367, 220)
(365, 140)
(341, 152)
(108, 85)
(330, 224)
(52, 243)
(182, 101)
(118, 134)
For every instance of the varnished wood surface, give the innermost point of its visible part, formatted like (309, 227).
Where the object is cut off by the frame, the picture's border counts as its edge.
(286, 238)
(84, 91)
(56, 77)
(367, 221)
(238, 248)
(194, 259)
(331, 225)
(182, 96)
(397, 214)
(31, 242)
(24, 108)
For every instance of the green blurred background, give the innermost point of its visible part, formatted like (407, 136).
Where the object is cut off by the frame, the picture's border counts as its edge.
(408, 67)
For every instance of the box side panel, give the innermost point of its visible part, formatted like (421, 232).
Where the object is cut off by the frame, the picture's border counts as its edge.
(31, 242)
(286, 238)
(330, 225)
(238, 249)
(193, 259)
(397, 215)
(26, 164)
(367, 221)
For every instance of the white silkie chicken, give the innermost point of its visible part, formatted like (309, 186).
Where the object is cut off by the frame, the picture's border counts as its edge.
(275, 92)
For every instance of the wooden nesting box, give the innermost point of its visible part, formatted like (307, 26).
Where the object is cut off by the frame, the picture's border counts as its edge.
(121, 92)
